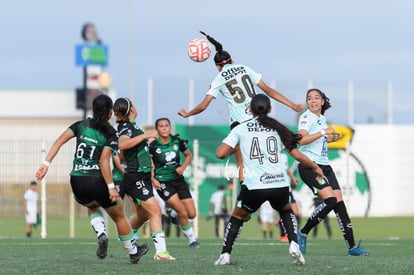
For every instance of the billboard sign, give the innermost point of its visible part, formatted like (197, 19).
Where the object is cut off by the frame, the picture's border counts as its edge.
(91, 54)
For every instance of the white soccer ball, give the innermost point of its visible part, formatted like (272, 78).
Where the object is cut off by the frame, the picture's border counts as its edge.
(199, 50)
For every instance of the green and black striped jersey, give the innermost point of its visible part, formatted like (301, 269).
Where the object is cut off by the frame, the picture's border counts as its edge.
(89, 145)
(137, 158)
(166, 157)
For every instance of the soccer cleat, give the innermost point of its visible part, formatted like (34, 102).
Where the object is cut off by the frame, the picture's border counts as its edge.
(194, 245)
(163, 256)
(357, 251)
(224, 259)
(283, 239)
(141, 251)
(302, 242)
(295, 253)
(102, 246)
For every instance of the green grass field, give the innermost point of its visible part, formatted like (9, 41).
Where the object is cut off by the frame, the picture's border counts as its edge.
(389, 240)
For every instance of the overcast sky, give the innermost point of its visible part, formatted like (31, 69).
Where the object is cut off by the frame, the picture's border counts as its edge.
(294, 44)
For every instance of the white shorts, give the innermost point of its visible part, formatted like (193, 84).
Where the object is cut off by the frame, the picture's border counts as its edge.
(31, 218)
(267, 217)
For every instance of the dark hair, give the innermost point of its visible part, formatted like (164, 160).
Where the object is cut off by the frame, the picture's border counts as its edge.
(221, 57)
(33, 182)
(326, 105)
(101, 107)
(161, 119)
(122, 108)
(83, 32)
(260, 106)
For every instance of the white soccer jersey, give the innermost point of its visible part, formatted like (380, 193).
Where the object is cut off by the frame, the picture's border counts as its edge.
(236, 83)
(261, 153)
(267, 213)
(317, 150)
(217, 200)
(31, 197)
(284, 160)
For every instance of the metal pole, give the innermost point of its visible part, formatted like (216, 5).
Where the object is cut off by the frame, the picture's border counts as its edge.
(351, 119)
(273, 112)
(150, 102)
(85, 91)
(389, 103)
(71, 216)
(130, 51)
(43, 232)
(347, 194)
(196, 183)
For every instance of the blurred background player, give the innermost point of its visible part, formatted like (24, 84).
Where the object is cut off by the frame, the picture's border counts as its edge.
(216, 210)
(171, 220)
(227, 203)
(267, 219)
(31, 198)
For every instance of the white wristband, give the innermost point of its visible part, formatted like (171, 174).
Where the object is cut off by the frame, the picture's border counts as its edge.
(45, 162)
(111, 185)
(322, 132)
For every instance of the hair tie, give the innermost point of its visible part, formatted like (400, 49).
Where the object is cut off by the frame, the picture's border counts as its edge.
(129, 106)
(224, 61)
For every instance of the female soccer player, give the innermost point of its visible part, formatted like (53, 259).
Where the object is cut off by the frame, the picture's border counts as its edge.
(236, 82)
(261, 140)
(316, 134)
(167, 175)
(91, 178)
(133, 142)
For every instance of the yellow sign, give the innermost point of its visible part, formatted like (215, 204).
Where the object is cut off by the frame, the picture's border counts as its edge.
(346, 134)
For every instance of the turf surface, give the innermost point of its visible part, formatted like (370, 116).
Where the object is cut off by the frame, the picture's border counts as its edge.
(389, 240)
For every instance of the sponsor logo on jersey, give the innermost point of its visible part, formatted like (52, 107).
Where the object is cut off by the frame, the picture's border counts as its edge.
(233, 72)
(86, 138)
(268, 178)
(169, 156)
(257, 127)
(84, 167)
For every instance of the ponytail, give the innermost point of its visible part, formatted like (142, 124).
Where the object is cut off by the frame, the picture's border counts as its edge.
(260, 106)
(221, 57)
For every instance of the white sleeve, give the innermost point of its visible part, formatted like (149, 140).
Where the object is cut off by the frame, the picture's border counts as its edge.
(232, 139)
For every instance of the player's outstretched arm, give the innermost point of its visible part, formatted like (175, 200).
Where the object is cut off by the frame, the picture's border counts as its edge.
(279, 97)
(203, 105)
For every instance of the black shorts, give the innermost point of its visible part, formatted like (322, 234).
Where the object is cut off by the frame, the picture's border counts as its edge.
(309, 177)
(251, 200)
(137, 185)
(178, 186)
(89, 189)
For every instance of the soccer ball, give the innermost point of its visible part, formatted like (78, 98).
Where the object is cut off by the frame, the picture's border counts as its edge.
(199, 50)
